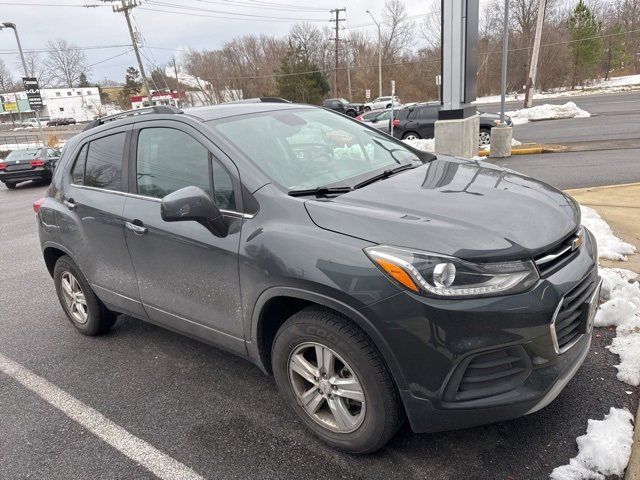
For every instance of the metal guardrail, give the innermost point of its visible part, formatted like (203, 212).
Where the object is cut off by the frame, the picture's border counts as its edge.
(13, 142)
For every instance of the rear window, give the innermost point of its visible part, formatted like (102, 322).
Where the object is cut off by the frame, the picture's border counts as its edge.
(104, 162)
(22, 154)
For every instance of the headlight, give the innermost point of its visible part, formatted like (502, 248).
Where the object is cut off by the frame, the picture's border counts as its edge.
(436, 275)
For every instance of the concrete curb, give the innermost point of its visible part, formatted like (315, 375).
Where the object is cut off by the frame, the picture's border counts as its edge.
(633, 468)
(528, 150)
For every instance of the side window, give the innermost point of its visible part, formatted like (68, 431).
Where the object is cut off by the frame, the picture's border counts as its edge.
(77, 174)
(169, 159)
(104, 162)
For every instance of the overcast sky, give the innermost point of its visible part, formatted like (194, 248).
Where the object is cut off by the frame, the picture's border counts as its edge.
(39, 21)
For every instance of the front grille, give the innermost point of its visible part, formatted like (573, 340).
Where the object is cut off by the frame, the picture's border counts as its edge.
(558, 257)
(488, 374)
(571, 320)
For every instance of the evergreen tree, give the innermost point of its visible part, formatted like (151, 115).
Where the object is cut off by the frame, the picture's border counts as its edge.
(82, 81)
(300, 80)
(132, 86)
(587, 45)
(615, 55)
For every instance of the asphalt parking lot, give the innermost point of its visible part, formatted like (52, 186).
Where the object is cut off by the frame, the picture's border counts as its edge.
(217, 414)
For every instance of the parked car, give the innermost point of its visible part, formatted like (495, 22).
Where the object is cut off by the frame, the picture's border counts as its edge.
(25, 164)
(418, 121)
(343, 105)
(375, 282)
(379, 119)
(56, 122)
(382, 103)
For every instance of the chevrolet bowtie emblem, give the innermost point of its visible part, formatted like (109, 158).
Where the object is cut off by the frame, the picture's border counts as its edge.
(577, 241)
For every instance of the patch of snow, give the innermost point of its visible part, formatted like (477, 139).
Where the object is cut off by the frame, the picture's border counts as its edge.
(627, 80)
(514, 143)
(604, 450)
(547, 112)
(426, 144)
(627, 347)
(610, 247)
(613, 85)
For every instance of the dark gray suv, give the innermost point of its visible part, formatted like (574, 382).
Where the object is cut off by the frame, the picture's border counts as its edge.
(374, 281)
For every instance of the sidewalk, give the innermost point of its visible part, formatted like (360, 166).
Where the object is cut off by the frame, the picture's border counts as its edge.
(619, 206)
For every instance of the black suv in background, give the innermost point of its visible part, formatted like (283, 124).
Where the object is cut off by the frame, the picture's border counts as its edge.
(343, 105)
(418, 121)
(375, 282)
(28, 164)
(56, 122)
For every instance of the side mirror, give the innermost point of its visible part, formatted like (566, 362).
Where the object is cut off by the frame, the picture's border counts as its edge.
(193, 204)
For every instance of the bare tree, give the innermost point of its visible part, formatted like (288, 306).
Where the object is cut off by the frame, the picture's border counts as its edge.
(399, 30)
(65, 62)
(6, 79)
(431, 26)
(35, 68)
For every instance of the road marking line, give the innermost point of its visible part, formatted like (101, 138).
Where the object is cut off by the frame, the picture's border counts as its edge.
(141, 452)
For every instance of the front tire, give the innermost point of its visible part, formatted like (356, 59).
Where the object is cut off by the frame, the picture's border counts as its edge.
(10, 186)
(84, 309)
(334, 379)
(352, 113)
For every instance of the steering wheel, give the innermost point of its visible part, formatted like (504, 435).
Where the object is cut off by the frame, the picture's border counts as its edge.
(314, 152)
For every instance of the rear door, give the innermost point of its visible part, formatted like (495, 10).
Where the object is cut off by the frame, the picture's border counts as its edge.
(188, 277)
(92, 226)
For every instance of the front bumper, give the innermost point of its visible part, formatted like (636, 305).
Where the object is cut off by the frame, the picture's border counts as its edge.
(471, 362)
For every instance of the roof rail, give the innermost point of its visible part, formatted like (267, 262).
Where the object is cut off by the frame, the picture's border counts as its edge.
(130, 113)
(262, 100)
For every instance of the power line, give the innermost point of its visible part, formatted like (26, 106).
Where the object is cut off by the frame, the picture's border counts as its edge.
(264, 5)
(220, 17)
(72, 5)
(110, 58)
(44, 50)
(223, 12)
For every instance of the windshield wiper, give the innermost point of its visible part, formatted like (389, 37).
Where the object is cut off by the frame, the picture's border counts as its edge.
(320, 191)
(385, 174)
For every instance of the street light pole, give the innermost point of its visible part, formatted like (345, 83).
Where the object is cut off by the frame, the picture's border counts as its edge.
(26, 73)
(379, 54)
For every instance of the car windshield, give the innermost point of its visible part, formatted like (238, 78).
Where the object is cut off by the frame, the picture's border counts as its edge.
(343, 101)
(26, 154)
(309, 148)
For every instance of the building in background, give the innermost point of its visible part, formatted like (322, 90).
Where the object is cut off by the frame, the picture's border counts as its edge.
(82, 104)
(158, 97)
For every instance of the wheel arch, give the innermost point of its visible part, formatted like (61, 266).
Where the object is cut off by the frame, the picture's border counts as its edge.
(52, 252)
(263, 332)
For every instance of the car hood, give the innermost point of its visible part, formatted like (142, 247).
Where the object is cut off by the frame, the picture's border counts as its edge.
(468, 209)
(490, 117)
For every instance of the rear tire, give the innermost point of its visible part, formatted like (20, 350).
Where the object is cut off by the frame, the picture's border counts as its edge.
(411, 136)
(351, 400)
(10, 186)
(84, 309)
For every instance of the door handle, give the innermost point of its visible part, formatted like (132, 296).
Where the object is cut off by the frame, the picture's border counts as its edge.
(136, 227)
(70, 204)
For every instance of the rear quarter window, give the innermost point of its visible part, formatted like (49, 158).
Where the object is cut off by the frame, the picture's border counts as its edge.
(104, 162)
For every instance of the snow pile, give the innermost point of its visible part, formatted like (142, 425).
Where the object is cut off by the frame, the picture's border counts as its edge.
(514, 143)
(603, 451)
(426, 144)
(547, 112)
(610, 247)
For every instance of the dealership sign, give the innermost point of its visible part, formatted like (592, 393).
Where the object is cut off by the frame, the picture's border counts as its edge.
(32, 89)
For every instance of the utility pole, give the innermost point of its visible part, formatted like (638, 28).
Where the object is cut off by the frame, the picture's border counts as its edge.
(533, 67)
(175, 70)
(379, 53)
(337, 21)
(126, 7)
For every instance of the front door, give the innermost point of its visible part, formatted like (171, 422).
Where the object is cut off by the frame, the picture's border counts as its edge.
(188, 277)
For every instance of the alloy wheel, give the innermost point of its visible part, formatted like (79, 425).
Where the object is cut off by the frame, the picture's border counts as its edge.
(326, 387)
(74, 298)
(411, 136)
(484, 138)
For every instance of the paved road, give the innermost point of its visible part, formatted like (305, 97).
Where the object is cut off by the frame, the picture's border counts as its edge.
(218, 414)
(615, 117)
